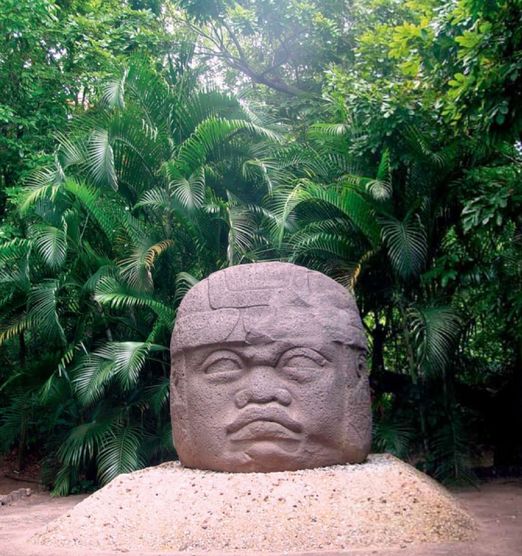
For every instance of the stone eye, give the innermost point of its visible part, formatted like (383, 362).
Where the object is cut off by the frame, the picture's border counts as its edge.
(222, 365)
(301, 364)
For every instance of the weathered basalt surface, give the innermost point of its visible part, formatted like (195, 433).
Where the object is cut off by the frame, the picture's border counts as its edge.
(382, 502)
(269, 372)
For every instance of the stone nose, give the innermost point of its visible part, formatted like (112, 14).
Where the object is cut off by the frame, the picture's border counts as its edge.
(261, 389)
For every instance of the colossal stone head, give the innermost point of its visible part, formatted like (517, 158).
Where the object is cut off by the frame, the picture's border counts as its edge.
(269, 372)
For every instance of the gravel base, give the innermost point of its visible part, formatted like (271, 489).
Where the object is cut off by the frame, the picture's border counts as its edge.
(381, 502)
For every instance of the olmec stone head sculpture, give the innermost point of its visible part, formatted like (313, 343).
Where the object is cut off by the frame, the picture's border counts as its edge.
(269, 372)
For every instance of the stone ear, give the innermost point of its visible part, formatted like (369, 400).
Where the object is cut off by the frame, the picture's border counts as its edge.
(177, 375)
(361, 366)
(178, 401)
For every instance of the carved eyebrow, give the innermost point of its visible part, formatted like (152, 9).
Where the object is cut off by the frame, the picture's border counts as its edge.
(272, 356)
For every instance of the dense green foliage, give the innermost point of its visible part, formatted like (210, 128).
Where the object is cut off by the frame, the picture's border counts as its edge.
(377, 141)
(52, 57)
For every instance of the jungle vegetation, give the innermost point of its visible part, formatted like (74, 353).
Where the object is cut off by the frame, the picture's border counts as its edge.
(146, 144)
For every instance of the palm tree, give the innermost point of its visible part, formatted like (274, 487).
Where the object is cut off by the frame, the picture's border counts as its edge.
(379, 235)
(146, 195)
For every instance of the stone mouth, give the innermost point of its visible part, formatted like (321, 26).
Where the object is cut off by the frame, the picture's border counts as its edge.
(264, 419)
(263, 430)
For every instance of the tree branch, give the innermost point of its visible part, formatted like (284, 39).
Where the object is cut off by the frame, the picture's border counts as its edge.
(241, 62)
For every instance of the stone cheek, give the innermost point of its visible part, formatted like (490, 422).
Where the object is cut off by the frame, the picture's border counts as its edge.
(268, 372)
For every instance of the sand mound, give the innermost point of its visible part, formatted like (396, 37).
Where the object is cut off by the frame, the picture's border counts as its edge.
(169, 508)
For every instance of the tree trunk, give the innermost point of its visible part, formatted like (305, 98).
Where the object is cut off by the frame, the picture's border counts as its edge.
(23, 349)
(508, 416)
(378, 335)
(20, 460)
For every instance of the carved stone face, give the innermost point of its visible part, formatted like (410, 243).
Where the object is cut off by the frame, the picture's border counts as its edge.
(269, 372)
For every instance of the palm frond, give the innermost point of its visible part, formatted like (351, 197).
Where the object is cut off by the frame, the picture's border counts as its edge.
(110, 270)
(42, 183)
(64, 480)
(101, 159)
(242, 231)
(189, 192)
(107, 216)
(406, 243)
(329, 245)
(393, 437)
(319, 131)
(434, 330)
(200, 106)
(380, 188)
(137, 268)
(42, 309)
(158, 444)
(113, 91)
(72, 152)
(48, 389)
(270, 172)
(184, 281)
(14, 263)
(121, 361)
(157, 395)
(157, 198)
(120, 453)
(282, 205)
(15, 326)
(92, 375)
(420, 145)
(50, 243)
(13, 417)
(114, 294)
(129, 359)
(13, 250)
(349, 202)
(83, 442)
(206, 137)
(451, 452)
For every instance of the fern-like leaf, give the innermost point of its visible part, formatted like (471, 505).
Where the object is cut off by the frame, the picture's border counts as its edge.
(101, 158)
(406, 243)
(120, 453)
(51, 244)
(112, 293)
(113, 91)
(434, 330)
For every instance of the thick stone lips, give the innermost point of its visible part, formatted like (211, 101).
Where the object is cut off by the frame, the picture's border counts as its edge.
(274, 415)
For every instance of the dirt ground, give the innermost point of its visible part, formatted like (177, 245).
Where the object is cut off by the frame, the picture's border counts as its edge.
(496, 506)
